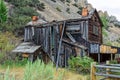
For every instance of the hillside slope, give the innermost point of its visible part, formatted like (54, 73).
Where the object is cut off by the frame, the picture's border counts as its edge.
(71, 9)
(57, 10)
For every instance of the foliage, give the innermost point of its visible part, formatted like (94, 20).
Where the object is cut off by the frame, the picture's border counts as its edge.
(108, 43)
(68, 1)
(31, 3)
(105, 22)
(21, 13)
(118, 40)
(80, 64)
(80, 10)
(16, 62)
(3, 11)
(75, 5)
(7, 43)
(38, 71)
(26, 11)
(62, 1)
(6, 40)
(104, 32)
(113, 62)
(68, 10)
(58, 9)
(53, 0)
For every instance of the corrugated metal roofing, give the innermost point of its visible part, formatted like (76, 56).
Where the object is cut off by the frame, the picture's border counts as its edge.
(26, 47)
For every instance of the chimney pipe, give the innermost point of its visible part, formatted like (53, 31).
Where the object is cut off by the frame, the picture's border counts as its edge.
(84, 12)
(34, 18)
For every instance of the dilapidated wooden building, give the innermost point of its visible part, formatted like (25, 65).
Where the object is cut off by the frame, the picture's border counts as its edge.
(58, 40)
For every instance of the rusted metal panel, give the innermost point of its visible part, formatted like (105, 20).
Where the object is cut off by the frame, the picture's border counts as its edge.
(108, 49)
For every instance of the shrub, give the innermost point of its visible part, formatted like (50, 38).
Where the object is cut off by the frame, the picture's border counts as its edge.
(105, 22)
(7, 43)
(75, 5)
(80, 65)
(79, 12)
(28, 11)
(58, 9)
(21, 15)
(62, 1)
(53, 0)
(40, 6)
(113, 62)
(68, 1)
(68, 10)
(18, 3)
(3, 11)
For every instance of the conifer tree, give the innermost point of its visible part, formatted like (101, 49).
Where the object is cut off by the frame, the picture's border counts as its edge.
(3, 11)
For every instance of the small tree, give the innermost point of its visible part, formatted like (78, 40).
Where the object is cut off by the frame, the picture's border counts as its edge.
(3, 11)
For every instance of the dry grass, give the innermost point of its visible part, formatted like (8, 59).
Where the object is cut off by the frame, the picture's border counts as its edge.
(68, 75)
(74, 76)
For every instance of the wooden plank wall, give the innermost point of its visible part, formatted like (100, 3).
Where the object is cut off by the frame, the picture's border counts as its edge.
(94, 21)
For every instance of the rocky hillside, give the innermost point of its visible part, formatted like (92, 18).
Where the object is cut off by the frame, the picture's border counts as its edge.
(50, 10)
(111, 29)
(62, 9)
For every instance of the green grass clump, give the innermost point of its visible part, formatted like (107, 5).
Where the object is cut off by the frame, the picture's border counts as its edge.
(37, 71)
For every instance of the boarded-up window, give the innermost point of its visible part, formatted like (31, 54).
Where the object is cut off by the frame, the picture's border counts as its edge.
(76, 28)
(95, 30)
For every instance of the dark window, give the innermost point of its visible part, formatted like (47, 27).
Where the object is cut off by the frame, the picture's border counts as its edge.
(96, 19)
(95, 30)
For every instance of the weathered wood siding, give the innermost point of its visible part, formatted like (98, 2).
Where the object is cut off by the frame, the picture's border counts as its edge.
(94, 21)
(78, 27)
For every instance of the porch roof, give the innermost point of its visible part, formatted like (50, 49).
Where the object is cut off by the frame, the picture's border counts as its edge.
(26, 47)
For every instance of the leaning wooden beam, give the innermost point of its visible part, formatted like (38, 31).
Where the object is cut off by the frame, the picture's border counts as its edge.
(74, 44)
(60, 44)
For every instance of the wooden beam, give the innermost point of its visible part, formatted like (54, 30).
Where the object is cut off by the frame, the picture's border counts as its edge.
(60, 44)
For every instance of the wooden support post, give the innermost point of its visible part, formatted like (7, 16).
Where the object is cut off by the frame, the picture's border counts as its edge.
(98, 57)
(60, 45)
(31, 57)
(111, 56)
(107, 69)
(93, 71)
(65, 58)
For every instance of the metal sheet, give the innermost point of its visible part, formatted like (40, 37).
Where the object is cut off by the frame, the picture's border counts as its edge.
(72, 27)
(26, 47)
(108, 49)
(94, 48)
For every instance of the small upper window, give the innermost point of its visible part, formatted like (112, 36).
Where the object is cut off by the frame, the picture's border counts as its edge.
(95, 30)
